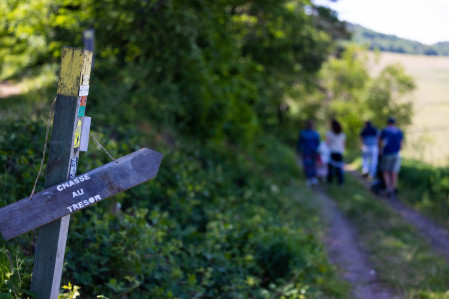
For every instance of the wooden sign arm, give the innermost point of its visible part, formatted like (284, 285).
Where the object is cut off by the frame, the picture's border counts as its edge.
(78, 193)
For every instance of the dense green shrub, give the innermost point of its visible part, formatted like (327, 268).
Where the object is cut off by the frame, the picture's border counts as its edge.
(430, 185)
(22, 142)
(218, 221)
(15, 273)
(215, 69)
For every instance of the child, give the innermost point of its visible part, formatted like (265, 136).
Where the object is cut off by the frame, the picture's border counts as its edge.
(322, 161)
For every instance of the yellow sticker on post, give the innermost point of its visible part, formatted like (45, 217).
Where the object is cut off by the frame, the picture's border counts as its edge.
(76, 142)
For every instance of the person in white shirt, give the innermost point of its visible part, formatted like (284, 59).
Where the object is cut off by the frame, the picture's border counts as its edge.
(335, 139)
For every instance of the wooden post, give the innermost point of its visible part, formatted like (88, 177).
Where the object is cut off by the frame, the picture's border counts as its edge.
(63, 156)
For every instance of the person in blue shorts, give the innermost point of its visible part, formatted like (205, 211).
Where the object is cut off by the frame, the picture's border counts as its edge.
(391, 143)
(307, 148)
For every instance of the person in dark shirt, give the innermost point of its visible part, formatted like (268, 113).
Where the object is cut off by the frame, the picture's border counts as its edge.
(370, 150)
(391, 143)
(307, 148)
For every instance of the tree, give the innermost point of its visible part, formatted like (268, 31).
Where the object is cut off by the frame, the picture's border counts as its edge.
(348, 93)
(387, 95)
(344, 81)
(214, 69)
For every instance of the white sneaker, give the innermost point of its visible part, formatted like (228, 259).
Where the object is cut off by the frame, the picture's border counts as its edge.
(314, 181)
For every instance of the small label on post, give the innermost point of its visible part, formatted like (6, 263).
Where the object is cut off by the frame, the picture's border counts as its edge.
(73, 166)
(84, 90)
(86, 79)
(82, 108)
(85, 134)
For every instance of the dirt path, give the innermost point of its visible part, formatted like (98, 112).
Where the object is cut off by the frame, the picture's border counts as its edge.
(345, 252)
(438, 237)
(8, 89)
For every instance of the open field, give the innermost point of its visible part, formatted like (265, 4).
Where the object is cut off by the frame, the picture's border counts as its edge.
(428, 137)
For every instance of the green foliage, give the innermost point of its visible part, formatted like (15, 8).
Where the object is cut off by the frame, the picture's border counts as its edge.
(345, 81)
(346, 77)
(214, 77)
(386, 95)
(15, 274)
(347, 92)
(23, 31)
(217, 221)
(20, 154)
(430, 185)
(70, 291)
(217, 70)
(390, 43)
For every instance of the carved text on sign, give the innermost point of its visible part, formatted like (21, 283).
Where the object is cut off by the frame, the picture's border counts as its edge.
(83, 203)
(79, 192)
(73, 182)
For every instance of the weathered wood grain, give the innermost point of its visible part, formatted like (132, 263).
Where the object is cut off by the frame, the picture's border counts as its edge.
(76, 194)
(49, 257)
(75, 64)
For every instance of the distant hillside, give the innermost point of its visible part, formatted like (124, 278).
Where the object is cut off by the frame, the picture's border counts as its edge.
(391, 43)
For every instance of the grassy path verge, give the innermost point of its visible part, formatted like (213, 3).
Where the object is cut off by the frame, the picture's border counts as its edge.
(344, 251)
(401, 257)
(307, 211)
(436, 235)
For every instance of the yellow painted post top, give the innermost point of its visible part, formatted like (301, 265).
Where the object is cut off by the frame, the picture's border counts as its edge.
(74, 64)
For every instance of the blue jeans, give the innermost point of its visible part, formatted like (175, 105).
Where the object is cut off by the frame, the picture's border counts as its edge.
(308, 163)
(369, 159)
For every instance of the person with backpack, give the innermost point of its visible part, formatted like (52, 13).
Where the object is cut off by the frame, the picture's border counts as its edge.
(307, 149)
(391, 143)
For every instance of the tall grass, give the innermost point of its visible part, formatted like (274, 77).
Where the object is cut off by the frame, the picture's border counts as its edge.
(426, 188)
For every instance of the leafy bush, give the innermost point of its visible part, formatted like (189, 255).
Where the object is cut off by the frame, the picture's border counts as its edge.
(430, 185)
(215, 69)
(218, 221)
(15, 274)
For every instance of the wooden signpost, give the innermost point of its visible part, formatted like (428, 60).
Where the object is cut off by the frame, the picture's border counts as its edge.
(66, 193)
(78, 193)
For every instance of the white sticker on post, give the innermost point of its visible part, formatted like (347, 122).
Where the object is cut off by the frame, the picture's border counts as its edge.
(85, 132)
(84, 90)
(86, 79)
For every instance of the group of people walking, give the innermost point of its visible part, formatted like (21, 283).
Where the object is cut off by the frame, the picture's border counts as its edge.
(324, 159)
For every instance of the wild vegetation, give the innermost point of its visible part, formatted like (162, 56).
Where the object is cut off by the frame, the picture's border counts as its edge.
(215, 222)
(200, 82)
(424, 172)
(427, 135)
(430, 189)
(348, 92)
(221, 88)
(391, 43)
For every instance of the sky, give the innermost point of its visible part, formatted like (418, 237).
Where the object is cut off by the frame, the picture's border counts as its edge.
(425, 21)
